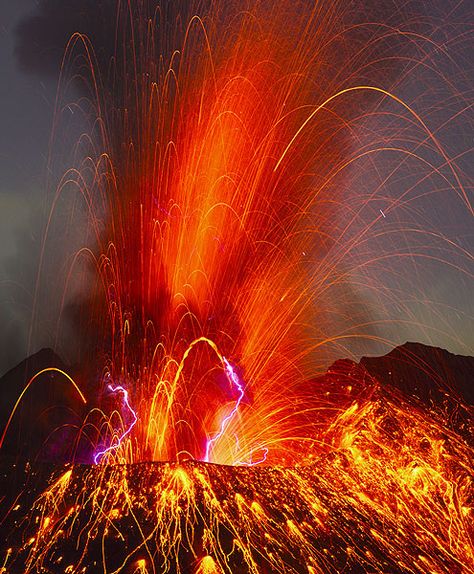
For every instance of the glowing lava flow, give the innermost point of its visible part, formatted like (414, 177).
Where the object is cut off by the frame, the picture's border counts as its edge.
(234, 379)
(98, 456)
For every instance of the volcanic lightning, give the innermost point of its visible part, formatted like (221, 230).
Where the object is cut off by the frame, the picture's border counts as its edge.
(99, 455)
(234, 380)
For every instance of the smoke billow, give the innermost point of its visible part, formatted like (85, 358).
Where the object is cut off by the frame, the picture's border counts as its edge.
(42, 37)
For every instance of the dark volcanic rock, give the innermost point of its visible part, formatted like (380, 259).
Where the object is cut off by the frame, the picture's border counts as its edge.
(166, 517)
(431, 377)
(425, 372)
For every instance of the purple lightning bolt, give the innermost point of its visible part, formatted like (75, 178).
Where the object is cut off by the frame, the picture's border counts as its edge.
(234, 379)
(101, 453)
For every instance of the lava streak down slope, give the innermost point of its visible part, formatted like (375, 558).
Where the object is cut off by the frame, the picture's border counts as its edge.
(389, 490)
(193, 516)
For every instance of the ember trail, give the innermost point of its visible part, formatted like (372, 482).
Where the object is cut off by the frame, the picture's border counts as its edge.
(226, 203)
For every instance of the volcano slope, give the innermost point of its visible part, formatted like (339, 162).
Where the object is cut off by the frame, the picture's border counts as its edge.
(387, 487)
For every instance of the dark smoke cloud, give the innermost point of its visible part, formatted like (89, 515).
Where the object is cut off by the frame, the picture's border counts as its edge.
(41, 38)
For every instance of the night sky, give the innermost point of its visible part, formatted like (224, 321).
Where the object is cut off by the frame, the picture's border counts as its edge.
(26, 116)
(422, 300)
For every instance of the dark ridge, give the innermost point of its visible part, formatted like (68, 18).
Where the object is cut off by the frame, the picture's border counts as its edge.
(43, 420)
(426, 373)
(433, 378)
(14, 381)
(429, 377)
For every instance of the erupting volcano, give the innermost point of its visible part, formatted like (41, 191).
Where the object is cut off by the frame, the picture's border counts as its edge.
(249, 173)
